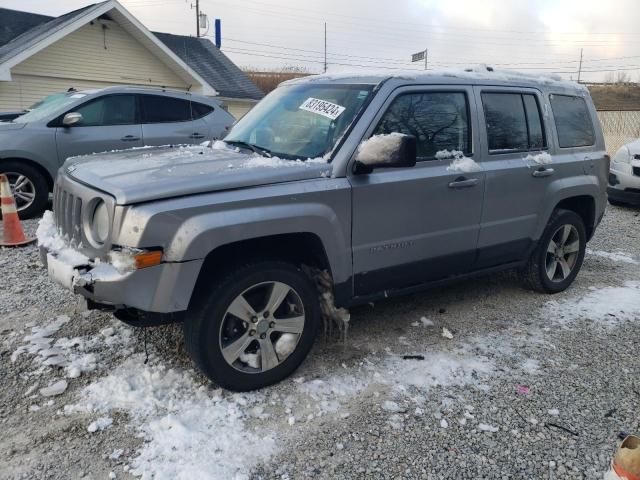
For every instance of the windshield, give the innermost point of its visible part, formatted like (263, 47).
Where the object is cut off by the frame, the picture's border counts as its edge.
(50, 106)
(46, 99)
(300, 121)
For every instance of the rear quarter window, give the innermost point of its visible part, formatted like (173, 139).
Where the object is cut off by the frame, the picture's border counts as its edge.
(200, 110)
(573, 121)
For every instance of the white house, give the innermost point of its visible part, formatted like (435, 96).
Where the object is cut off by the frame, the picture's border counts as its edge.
(103, 44)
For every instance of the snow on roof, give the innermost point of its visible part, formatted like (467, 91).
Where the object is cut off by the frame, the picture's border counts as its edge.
(471, 74)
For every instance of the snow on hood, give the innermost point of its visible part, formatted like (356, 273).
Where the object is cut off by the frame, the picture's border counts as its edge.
(633, 147)
(150, 173)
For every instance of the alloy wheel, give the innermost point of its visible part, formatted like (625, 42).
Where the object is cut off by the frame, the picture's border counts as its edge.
(23, 189)
(262, 327)
(562, 253)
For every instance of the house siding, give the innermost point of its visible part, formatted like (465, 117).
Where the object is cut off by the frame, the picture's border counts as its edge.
(238, 108)
(80, 60)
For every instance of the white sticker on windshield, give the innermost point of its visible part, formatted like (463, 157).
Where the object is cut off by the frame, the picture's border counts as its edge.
(322, 107)
(78, 95)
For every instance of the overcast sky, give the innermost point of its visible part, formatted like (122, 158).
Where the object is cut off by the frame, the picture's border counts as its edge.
(532, 35)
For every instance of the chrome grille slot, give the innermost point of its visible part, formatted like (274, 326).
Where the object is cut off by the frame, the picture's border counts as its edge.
(76, 220)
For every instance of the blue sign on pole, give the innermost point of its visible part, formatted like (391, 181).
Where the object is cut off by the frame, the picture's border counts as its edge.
(218, 28)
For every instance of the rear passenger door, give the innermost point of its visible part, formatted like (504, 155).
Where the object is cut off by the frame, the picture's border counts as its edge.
(419, 224)
(515, 145)
(168, 121)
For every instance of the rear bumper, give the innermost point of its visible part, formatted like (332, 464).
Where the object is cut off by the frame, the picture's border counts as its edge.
(164, 288)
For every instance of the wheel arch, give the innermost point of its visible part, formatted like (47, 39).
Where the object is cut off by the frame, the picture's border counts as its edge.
(585, 207)
(299, 248)
(42, 170)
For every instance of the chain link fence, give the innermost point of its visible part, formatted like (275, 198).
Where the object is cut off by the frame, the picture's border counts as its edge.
(619, 127)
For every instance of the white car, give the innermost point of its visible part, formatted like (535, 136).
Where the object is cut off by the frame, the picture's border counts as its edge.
(624, 176)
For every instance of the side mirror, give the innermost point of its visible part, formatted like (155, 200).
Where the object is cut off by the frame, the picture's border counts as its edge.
(393, 150)
(71, 118)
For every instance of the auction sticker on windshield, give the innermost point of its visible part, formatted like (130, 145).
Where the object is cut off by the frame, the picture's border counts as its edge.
(322, 107)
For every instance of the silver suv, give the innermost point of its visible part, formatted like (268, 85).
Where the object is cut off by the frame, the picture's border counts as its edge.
(362, 187)
(34, 145)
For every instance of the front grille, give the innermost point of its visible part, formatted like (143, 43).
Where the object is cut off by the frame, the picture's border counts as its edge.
(636, 171)
(67, 210)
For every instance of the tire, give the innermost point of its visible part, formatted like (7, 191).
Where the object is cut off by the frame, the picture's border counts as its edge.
(536, 274)
(212, 332)
(33, 183)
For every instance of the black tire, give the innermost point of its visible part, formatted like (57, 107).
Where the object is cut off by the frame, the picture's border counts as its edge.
(39, 183)
(617, 203)
(203, 325)
(534, 274)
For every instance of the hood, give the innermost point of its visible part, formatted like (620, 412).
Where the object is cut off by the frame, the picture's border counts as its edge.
(7, 126)
(151, 173)
(634, 147)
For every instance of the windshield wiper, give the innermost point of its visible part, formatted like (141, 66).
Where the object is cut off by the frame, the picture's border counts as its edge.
(254, 148)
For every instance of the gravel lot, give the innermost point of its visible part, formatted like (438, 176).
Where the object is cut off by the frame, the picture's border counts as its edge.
(530, 386)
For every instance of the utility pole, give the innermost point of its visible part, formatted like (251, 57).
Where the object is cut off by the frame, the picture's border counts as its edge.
(325, 47)
(580, 66)
(197, 18)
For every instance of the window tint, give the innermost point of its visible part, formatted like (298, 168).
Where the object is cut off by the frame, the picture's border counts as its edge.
(506, 122)
(573, 121)
(200, 109)
(534, 122)
(159, 109)
(438, 120)
(513, 122)
(111, 110)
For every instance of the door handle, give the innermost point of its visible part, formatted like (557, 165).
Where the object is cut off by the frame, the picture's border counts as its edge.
(130, 138)
(543, 172)
(196, 135)
(462, 182)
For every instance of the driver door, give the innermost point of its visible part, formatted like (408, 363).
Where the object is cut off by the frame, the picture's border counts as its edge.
(108, 123)
(419, 224)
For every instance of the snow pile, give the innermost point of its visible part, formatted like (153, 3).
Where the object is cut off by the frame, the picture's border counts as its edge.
(615, 256)
(73, 354)
(379, 148)
(608, 305)
(329, 392)
(50, 238)
(542, 158)
(190, 430)
(460, 163)
(100, 424)
(123, 260)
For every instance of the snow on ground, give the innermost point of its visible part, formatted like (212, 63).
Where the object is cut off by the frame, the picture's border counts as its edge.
(605, 306)
(190, 430)
(615, 256)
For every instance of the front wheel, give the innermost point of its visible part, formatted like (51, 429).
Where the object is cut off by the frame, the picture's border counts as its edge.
(557, 259)
(255, 326)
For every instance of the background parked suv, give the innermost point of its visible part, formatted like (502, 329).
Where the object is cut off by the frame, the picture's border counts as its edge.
(389, 185)
(34, 145)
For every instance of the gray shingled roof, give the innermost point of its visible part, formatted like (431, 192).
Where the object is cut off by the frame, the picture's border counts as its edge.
(21, 30)
(212, 65)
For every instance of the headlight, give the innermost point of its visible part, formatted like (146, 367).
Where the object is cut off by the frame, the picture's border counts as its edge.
(622, 156)
(99, 222)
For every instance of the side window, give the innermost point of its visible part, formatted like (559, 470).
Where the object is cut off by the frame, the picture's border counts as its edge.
(573, 121)
(438, 120)
(200, 110)
(110, 110)
(513, 122)
(161, 109)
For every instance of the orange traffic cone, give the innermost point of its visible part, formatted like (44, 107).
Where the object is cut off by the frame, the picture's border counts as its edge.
(13, 234)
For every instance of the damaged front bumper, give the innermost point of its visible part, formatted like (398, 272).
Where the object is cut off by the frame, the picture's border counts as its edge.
(163, 288)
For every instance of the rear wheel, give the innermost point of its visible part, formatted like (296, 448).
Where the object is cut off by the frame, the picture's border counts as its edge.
(557, 259)
(617, 203)
(29, 187)
(255, 326)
